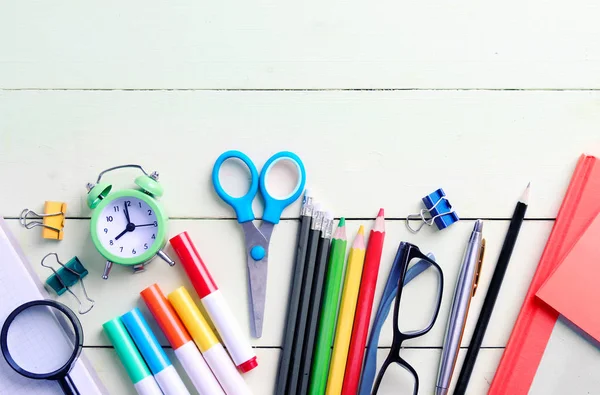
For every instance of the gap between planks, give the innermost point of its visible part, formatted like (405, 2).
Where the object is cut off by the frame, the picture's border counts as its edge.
(540, 219)
(299, 89)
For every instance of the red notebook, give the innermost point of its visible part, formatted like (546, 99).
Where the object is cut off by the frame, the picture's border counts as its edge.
(536, 319)
(572, 290)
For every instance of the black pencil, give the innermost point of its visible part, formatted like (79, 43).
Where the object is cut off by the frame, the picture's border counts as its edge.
(314, 308)
(492, 293)
(296, 287)
(301, 320)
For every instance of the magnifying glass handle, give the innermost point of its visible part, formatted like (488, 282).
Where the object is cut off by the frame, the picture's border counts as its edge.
(67, 385)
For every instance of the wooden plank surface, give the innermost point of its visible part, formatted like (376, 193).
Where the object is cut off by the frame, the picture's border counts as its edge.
(268, 44)
(384, 102)
(382, 149)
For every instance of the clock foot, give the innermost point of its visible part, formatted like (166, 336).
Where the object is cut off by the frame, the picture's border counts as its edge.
(165, 257)
(107, 268)
(138, 268)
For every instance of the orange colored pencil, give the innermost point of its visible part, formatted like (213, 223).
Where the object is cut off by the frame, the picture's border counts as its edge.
(364, 306)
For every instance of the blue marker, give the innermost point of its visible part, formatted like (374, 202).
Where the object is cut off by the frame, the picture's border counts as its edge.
(165, 374)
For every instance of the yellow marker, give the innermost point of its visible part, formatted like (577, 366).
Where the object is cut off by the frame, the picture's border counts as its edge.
(193, 319)
(345, 320)
(215, 355)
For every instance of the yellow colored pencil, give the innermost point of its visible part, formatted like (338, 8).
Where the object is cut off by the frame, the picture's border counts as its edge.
(343, 330)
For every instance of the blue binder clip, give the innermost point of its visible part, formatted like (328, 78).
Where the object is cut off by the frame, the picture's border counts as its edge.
(438, 210)
(67, 276)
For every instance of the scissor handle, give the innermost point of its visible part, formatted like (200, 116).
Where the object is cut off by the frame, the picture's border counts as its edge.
(242, 205)
(273, 206)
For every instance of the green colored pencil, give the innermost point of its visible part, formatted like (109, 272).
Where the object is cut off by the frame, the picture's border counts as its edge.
(328, 315)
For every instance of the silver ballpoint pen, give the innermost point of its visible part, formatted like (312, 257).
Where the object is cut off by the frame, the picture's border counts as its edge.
(466, 285)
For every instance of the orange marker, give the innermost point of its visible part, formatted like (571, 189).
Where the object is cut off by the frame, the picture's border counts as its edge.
(185, 350)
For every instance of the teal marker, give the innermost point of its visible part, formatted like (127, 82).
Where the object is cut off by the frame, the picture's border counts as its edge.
(134, 364)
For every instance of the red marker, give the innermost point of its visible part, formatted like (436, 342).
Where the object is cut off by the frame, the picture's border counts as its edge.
(215, 304)
(362, 318)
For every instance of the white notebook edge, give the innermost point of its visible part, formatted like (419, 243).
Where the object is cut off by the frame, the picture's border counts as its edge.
(83, 373)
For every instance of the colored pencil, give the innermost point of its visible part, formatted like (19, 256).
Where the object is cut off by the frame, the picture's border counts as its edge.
(294, 301)
(492, 293)
(316, 295)
(327, 316)
(301, 320)
(343, 330)
(356, 352)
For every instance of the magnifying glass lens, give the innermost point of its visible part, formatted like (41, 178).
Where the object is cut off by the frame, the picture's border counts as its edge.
(41, 340)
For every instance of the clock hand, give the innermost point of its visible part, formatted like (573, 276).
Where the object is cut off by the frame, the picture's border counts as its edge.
(121, 234)
(129, 228)
(127, 214)
(152, 224)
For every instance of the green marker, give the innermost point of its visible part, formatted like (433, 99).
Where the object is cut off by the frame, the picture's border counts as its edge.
(327, 319)
(129, 355)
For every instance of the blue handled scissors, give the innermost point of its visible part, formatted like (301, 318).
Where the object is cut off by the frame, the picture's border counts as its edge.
(258, 238)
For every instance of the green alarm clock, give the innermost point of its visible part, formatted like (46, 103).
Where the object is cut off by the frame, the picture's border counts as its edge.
(129, 226)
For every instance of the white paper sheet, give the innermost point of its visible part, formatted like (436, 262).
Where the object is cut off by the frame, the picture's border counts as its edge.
(18, 284)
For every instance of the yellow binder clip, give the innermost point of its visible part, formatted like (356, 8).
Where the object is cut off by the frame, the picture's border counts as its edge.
(53, 219)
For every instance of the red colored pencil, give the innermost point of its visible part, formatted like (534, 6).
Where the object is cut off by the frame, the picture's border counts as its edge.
(364, 306)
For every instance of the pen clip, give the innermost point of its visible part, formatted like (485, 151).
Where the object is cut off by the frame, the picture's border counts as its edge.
(479, 265)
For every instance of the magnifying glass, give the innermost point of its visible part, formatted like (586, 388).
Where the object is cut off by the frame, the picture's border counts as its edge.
(42, 340)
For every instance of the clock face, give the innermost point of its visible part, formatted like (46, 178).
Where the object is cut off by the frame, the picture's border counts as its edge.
(127, 227)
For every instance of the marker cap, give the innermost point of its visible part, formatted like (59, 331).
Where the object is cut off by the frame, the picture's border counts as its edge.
(193, 319)
(126, 350)
(167, 318)
(193, 264)
(145, 341)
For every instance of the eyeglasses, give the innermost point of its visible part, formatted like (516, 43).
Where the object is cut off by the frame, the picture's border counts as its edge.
(406, 253)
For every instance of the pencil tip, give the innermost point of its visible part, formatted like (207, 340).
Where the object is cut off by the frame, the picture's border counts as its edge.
(361, 230)
(342, 222)
(525, 196)
(380, 213)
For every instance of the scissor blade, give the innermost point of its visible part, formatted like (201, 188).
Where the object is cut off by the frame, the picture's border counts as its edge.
(257, 275)
(257, 271)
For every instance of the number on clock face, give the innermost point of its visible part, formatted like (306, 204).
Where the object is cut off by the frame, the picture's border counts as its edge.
(127, 227)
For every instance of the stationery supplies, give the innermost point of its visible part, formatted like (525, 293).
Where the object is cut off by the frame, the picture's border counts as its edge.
(327, 315)
(28, 327)
(362, 319)
(258, 238)
(536, 320)
(296, 289)
(215, 304)
(213, 352)
(178, 337)
(52, 221)
(492, 293)
(466, 286)
(572, 290)
(67, 276)
(437, 210)
(307, 281)
(316, 295)
(389, 294)
(128, 227)
(343, 330)
(165, 374)
(406, 253)
(20, 284)
(130, 357)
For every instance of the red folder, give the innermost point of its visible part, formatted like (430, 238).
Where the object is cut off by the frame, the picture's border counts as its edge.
(572, 290)
(536, 319)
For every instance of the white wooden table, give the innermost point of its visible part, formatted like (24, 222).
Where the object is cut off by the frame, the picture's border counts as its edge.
(384, 102)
